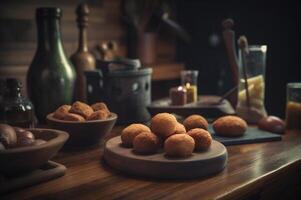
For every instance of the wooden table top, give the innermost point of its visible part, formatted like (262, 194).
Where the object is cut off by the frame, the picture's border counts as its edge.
(249, 167)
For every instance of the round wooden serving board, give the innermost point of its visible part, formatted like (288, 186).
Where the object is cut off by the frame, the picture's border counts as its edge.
(160, 166)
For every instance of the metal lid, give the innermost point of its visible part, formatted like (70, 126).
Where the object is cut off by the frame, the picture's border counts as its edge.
(137, 72)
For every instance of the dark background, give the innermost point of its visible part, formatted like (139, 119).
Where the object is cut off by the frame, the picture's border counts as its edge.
(274, 23)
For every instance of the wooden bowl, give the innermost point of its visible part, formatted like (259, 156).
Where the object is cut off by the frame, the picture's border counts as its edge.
(28, 158)
(83, 134)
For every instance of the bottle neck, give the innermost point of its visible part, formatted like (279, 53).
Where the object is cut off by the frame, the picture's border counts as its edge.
(82, 43)
(49, 36)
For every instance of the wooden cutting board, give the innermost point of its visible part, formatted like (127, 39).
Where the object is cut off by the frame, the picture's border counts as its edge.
(252, 135)
(50, 170)
(160, 166)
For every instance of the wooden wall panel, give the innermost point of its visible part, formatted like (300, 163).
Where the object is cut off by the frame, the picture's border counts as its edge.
(18, 30)
(18, 34)
(18, 27)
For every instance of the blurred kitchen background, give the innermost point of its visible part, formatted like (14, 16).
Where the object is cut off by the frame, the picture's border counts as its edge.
(275, 24)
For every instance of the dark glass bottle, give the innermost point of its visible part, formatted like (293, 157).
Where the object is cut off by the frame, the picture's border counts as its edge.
(51, 76)
(16, 110)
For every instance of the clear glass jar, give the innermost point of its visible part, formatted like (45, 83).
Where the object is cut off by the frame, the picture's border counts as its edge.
(252, 109)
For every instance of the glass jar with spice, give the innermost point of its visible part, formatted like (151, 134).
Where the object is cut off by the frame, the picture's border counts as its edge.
(16, 110)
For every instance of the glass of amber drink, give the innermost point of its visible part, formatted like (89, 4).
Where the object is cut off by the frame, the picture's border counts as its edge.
(293, 106)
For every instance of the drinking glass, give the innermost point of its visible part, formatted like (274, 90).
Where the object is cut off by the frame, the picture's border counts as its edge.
(250, 104)
(293, 106)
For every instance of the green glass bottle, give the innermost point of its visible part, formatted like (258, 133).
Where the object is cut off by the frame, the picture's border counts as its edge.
(51, 76)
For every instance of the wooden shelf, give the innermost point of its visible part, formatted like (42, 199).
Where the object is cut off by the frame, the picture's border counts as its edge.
(166, 71)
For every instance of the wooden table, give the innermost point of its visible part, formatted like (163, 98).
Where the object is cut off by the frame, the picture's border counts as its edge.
(254, 171)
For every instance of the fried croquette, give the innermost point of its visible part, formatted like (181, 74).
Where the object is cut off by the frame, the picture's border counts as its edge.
(73, 117)
(164, 124)
(61, 111)
(98, 115)
(100, 106)
(82, 109)
(195, 121)
(146, 143)
(130, 132)
(179, 145)
(180, 129)
(230, 126)
(202, 138)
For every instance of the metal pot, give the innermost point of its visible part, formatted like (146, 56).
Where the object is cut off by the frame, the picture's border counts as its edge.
(126, 89)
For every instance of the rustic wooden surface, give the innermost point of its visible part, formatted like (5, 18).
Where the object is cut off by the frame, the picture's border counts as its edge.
(257, 171)
(50, 170)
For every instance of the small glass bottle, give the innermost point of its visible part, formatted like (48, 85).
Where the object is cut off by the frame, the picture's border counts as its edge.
(16, 110)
